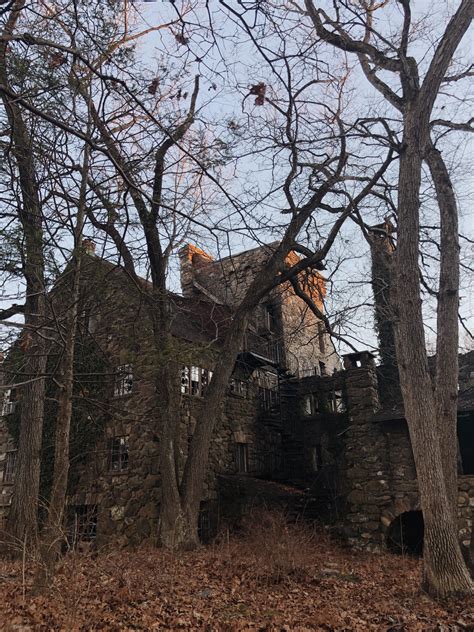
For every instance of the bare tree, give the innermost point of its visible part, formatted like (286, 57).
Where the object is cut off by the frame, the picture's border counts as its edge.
(434, 444)
(22, 519)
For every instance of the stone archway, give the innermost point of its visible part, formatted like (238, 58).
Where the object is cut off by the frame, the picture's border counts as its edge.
(405, 534)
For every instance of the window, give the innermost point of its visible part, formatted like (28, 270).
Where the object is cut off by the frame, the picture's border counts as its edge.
(316, 457)
(336, 402)
(321, 337)
(118, 454)
(322, 368)
(270, 320)
(9, 467)
(85, 523)
(123, 380)
(306, 369)
(239, 387)
(242, 457)
(194, 380)
(466, 444)
(310, 405)
(8, 405)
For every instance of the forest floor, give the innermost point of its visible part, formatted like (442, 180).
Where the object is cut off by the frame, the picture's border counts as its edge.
(279, 577)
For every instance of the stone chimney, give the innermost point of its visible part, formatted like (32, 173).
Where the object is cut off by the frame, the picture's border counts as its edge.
(382, 247)
(89, 246)
(191, 260)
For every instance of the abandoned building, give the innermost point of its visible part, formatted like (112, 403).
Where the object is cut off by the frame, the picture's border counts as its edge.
(293, 413)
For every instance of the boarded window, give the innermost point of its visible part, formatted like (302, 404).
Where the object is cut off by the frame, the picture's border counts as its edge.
(123, 380)
(118, 454)
(9, 467)
(242, 457)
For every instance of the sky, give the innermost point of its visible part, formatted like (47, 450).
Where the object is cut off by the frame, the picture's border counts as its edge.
(350, 279)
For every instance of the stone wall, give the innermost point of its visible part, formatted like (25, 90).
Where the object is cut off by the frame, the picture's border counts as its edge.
(304, 341)
(376, 479)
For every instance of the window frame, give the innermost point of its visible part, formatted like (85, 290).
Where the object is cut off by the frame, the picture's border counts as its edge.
(337, 405)
(8, 404)
(313, 408)
(242, 457)
(239, 388)
(195, 380)
(123, 382)
(270, 318)
(118, 454)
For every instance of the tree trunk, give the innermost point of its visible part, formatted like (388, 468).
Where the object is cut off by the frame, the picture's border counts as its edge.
(53, 533)
(22, 521)
(195, 470)
(445, 572)
(447, 345)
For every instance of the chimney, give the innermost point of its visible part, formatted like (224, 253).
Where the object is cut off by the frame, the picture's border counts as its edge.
(191, 260)
(89, 247)
(381, 248)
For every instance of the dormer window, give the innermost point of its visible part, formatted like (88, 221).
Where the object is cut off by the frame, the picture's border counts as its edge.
(123, 380)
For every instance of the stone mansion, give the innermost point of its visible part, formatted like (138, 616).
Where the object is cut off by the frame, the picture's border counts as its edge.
(295, 415)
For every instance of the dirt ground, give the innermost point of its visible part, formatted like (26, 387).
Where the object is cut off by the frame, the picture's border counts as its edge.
(277, 578)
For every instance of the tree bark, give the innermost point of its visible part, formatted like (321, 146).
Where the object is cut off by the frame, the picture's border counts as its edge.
(22, 521)
(53, 533)
(447, 344)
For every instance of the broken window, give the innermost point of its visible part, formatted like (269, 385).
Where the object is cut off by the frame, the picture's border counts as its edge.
(268, 388)
(270, 320)
(321, 337)
(123, 380)
(8, 405)
(84, 523)
(194, 380)
(336, 402)
(9, 467)
(239, 387)
(242, 457)
(310, 405)
(118, 454)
